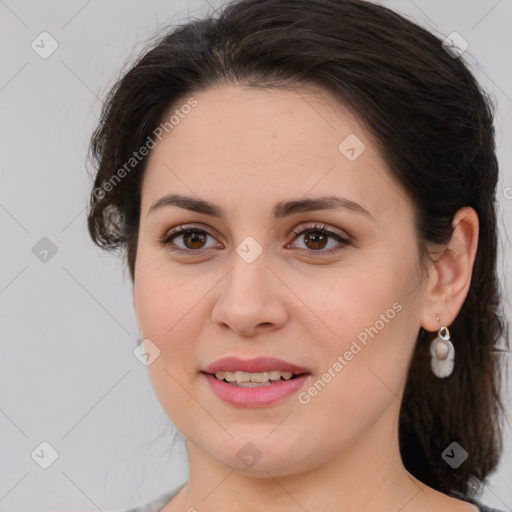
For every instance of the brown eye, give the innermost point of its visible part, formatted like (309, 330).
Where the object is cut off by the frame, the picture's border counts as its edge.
(316, 238)
(192, 239)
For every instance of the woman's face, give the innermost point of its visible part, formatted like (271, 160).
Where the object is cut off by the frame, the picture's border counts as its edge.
(246, 284)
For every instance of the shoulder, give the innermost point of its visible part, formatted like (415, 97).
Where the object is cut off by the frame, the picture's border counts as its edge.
(157, 504)
(479, 506)
(483, 508)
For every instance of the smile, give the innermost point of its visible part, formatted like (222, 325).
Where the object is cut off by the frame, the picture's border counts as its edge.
(255, 394)
(245, 379)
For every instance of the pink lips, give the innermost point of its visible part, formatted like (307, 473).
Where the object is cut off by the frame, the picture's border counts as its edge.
(259, 364)
(258, 396)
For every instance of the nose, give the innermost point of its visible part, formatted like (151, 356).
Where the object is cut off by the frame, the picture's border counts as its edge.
(252, 299)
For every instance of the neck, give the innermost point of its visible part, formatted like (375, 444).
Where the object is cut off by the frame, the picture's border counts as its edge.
(367, 475)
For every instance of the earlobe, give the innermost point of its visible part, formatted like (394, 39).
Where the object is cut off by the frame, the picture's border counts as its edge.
(450, 277)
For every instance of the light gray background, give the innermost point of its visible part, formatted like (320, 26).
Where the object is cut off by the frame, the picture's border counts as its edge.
(68, 375)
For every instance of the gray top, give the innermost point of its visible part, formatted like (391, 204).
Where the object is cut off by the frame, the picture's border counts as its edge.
(159, 503)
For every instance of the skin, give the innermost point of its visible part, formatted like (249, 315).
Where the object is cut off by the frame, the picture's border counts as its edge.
(245, 150)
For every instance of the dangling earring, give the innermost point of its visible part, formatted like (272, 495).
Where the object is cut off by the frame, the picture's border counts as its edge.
(443, 353)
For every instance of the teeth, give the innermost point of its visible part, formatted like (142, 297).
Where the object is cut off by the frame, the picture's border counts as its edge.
(230, 376)
(248, 378)
(242, 377)
(259, 377)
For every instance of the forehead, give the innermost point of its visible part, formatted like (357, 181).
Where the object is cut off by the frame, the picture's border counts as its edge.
(246, 146)
(247, 122)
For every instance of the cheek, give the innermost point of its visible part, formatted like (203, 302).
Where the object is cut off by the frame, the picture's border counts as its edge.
(363, 366)
(160, 295)
(171, 313)
(368, 331)
(167, 315)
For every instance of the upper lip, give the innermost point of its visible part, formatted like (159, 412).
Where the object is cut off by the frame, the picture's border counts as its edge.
(256, 365)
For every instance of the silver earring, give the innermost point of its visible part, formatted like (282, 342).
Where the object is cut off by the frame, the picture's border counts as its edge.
(442, 353)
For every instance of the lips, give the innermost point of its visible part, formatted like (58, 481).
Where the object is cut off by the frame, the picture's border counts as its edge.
(256, 365)
(261, 395)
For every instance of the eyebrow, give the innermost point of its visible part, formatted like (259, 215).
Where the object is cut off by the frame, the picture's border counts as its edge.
(280, 210)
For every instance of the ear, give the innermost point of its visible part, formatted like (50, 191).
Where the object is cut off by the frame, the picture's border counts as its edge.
(450, 276)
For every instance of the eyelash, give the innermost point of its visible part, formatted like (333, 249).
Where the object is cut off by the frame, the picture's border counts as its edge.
(317, 228)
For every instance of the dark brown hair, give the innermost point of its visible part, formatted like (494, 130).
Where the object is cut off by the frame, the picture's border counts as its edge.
(433, 126)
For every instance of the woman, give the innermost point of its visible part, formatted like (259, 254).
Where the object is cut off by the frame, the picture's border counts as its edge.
(305, 191)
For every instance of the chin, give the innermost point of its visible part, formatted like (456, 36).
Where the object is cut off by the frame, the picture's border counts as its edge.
(258, 454)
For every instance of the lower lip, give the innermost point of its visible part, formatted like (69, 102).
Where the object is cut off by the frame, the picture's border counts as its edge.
(260, 396)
